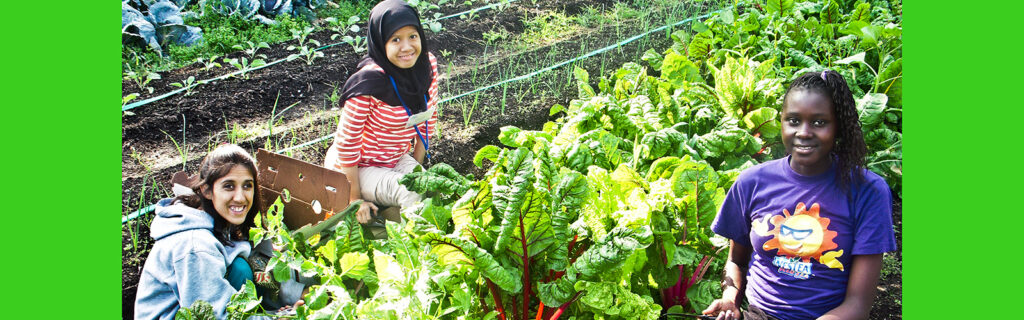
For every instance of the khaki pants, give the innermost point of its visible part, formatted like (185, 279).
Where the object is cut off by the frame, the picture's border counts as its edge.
(380, 186)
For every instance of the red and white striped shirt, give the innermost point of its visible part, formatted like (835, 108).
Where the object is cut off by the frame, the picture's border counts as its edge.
(372, 133)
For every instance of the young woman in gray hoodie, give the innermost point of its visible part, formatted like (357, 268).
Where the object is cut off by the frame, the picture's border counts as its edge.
(202, 239)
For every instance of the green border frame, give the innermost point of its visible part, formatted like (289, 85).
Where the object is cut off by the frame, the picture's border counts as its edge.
(964, 65)
(959, 229)
(60, 129)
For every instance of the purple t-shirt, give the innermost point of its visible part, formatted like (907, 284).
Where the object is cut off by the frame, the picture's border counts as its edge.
(804, 232)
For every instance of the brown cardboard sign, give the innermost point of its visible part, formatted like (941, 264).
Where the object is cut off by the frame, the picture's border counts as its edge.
(313, 190)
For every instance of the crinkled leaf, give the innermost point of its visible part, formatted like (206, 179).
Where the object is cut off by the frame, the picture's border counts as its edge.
(782, 7)
(870, 109)
(484, 262)
(609, 253)
(583, 83)
(354, 264)
(653, 58)
(508, 199)
(890, 82)
(565, 203)
(678, 69)
(489, 152)
(861, 13)
(701, 46)
(764, 121)
(831, 12)
(702, 294)
(245, 300)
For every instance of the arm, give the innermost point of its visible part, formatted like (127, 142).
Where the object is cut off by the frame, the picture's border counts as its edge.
(418, 151)
(355, 193)
(344, 154)
(860, 291)
(735, 276)
(200, 276)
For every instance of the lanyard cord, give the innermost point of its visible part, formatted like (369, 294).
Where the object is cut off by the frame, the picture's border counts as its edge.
(426, 124)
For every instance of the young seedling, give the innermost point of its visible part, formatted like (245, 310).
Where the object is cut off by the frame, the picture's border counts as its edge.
(188, 84)
(308, 52)
(434, 25)
(208, 63)
(142, 79)
(250, 48)
(334, 98)
(244, 65)
(126, 99)
(181, 148)
(274, 118)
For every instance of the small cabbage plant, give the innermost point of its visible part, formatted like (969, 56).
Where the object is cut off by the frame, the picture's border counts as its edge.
(161, 24)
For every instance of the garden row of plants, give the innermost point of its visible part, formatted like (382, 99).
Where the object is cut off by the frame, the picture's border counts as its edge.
(159, 35)
(605, 213)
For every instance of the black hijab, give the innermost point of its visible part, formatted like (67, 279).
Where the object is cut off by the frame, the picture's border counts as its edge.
(386, 18)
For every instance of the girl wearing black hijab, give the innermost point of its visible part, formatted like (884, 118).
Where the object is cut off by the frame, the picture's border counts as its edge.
(389, 112)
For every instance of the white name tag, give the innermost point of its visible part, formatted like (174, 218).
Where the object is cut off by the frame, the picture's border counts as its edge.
(419, 117)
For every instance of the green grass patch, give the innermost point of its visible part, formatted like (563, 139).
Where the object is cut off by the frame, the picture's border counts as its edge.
(547, 28)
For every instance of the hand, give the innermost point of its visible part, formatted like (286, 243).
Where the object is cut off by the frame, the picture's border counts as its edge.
(297, 303)
(725, 308)
(365, 210)
(288, 310)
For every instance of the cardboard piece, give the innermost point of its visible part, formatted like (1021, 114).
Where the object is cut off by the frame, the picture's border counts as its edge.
(308, 185)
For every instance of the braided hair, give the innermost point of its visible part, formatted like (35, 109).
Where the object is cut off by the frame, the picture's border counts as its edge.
(849, 147)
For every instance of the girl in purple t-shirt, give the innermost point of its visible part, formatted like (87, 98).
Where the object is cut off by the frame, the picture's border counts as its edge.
(807, 231)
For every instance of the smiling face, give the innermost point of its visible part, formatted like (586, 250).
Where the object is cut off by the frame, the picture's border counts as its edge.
(403, 47)
(800, 236)
(232, 194)
(808, 131)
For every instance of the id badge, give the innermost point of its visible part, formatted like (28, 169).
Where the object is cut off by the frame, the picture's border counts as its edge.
(419, 117)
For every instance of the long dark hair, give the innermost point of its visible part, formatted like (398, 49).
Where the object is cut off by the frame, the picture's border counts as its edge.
(216, 165)
(849, 145)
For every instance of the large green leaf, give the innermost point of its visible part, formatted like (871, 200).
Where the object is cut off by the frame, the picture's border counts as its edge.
(861, 13)
(677, 69)
(782, 7)
(667, 142)
(402, 245)
(440, 179)
(565, 203)
(701, 46)
(890, 82)
(354, 265)
(609, 253)
(856, 58)
(870, 109)
(484, 262)
(489, 152)
(583, 83)
(508, 199)
(831, 12)
(764, 121)
(744, 85)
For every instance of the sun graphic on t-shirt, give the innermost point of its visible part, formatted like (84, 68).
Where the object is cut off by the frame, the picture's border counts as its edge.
(803, 234)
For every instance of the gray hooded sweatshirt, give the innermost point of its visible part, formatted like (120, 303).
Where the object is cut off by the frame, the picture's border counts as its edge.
(187, 264)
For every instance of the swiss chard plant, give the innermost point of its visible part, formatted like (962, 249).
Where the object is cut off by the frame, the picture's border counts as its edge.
(523, 237)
